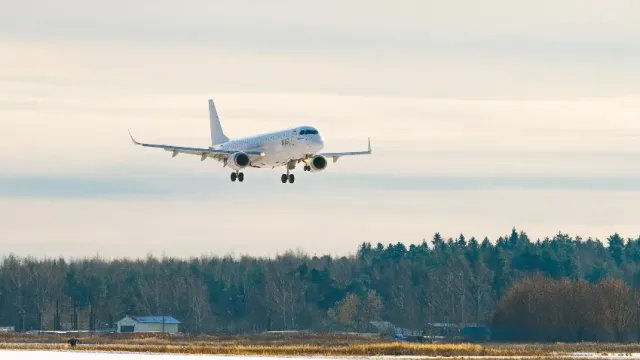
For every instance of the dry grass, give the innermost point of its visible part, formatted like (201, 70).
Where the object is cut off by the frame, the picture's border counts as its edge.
(301, 338)
(296, 344)
(286, 350)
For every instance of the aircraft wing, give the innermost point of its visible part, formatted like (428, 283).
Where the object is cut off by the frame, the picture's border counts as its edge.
(337, 155)
(204, 153)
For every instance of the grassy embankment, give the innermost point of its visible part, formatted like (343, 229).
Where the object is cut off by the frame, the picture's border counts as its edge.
(295, 344)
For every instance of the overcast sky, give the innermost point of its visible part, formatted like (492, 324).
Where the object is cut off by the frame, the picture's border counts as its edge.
(483, 116)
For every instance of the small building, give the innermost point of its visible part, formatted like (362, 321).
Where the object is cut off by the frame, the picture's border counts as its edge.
(476, 333)
(138, 324)
(383, 327)
(442, 330)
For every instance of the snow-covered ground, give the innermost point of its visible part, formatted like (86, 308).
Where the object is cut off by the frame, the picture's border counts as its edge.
(591, 355)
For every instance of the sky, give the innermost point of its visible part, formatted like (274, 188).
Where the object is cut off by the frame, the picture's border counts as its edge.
(483, 116)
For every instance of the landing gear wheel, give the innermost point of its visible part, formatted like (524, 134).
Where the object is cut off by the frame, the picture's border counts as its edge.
(234, 176)
(307, 168)
(241, 177)
(283, 178)
(291, 178)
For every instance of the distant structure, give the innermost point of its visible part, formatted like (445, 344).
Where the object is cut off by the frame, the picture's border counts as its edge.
(476, 333)
(146, 324)
(384, 327)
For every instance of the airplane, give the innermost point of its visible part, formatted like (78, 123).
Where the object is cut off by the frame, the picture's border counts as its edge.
(286, 148)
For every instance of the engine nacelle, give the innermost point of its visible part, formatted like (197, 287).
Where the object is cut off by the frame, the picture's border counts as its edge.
(318, 163)
(238, 160)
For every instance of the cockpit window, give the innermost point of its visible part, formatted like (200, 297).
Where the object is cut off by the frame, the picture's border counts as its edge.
(309, 132)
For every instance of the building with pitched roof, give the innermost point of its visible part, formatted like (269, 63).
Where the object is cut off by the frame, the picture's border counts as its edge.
(161, 324)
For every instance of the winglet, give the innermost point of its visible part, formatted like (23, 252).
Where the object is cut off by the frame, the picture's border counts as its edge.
(132, 139)
(369, 143)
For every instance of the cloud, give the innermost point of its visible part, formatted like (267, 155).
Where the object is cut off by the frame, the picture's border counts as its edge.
(265, 187)
(82, 128)
(325, 213)
(482, 117)
(317, 222)
(356, 24)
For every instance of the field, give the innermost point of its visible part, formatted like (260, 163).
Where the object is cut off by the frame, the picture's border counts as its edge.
(299, 344)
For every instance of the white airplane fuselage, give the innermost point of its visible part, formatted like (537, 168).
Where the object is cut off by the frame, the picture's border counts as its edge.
(274, 149)
(279, 147)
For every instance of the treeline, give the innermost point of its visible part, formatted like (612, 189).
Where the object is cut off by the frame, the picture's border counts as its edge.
(443, 280)
(543, 309)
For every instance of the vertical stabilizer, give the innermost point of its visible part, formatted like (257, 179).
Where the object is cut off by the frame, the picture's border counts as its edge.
(217, 136)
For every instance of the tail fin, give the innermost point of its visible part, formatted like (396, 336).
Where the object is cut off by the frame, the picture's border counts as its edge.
(217, 135)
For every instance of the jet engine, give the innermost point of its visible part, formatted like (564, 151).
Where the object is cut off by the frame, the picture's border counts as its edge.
(238, 160)
(317, 163)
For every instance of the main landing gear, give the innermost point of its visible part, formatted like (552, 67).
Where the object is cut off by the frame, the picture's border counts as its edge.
(288, 176)
(307, 168)
(237, 175)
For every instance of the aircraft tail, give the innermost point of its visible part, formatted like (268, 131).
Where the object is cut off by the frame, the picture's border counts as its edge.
(217, 135)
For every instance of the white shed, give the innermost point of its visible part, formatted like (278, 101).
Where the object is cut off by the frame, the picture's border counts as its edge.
(137, 324)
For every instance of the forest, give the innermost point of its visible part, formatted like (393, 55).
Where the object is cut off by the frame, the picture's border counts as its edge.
(559, 288)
